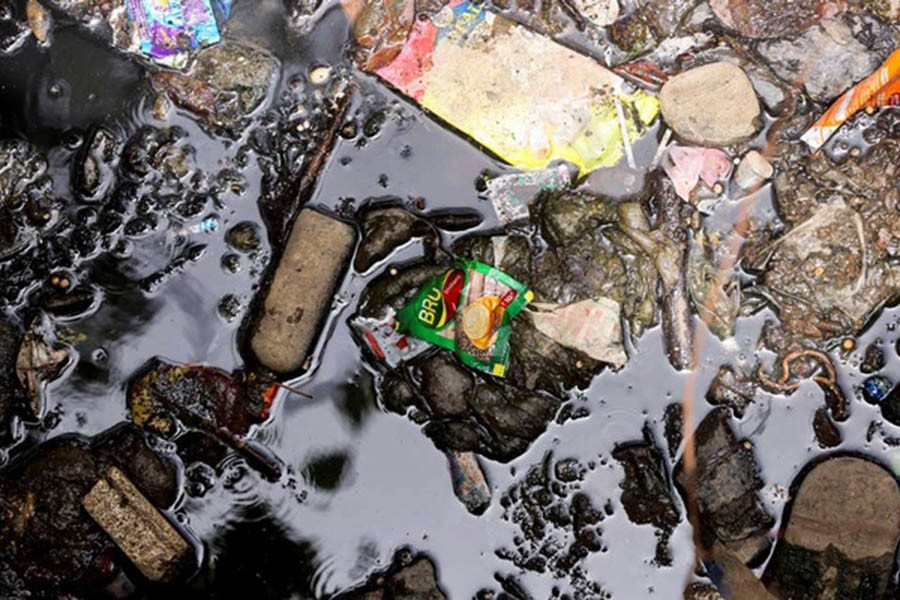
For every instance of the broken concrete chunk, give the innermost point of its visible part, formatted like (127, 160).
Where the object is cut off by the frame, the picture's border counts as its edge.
(301, 291)
(712, 105)
(155, 547)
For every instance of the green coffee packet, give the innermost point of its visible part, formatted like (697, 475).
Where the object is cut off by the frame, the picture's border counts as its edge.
(468, 310)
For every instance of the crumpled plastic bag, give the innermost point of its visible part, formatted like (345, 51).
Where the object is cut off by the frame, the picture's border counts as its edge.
(687, 165)
(591, 326)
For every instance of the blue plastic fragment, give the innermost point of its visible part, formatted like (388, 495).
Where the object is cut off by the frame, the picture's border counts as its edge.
(876, 387)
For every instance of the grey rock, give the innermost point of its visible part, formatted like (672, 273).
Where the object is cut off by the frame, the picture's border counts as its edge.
(827, 59)
(408, 579)
(728, 480)
(768, 18)
(712, 105)
(446, 385)
(384, 230)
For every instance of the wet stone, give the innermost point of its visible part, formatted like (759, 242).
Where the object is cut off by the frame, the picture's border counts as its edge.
(11, 392)
(728, 482)
(731, 389)
(712, 105)
(409, 578)
(873, 359)
(96, 173)
(673, 429)
(841, 535)
(559, 527)
(827, 432)
(244, 237)
(768, 19)
(890, 407)
(827, 59)
(646, 493)
(384, 230)
(224, 84)
(40, 513)
(397, 394)
(446, 386)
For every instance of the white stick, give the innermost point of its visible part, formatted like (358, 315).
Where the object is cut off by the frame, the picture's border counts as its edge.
(629, 155)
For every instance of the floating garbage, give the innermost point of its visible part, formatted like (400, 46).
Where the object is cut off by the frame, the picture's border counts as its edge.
(881, 88)
(165, 31)
(688, 165)
(876, 388)
(38, 362)
(484, 298)
(510, 194)
(590, 326)
(519, 94)
(385, 342)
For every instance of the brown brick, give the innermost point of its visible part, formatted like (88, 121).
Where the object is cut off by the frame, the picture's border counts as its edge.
(149, 541)
(302, 290)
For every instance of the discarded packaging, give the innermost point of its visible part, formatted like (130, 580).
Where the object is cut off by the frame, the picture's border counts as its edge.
(510, 194)
(166, 30)
(469, 483)
(881, 88)
(688, 165)
(302, 290)
(37, 363)
(519, 94)
(149, 541)
(590, 326)
(468, 310)
(876, 388)
(385, 342)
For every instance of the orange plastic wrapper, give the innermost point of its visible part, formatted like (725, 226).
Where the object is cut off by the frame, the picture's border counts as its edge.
(881, 88)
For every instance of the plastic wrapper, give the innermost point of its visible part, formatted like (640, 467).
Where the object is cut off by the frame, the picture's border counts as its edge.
(517, 93)
(468, 310)
(687, 165)
(881, 88)
(166, 29)
(510, 194)
(590, 326)
(385, 342)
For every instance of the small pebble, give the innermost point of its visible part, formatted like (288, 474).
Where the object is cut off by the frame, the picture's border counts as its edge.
(319, 75)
